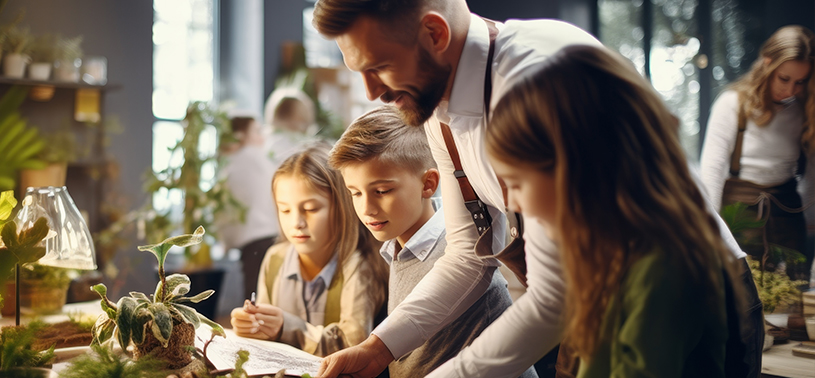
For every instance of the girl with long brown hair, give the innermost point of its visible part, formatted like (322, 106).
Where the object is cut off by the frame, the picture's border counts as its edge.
(322, 287)
(588, 149)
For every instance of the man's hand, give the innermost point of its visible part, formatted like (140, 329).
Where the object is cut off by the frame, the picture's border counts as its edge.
(365, 360)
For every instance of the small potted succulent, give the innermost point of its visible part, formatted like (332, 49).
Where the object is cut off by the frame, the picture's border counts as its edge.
(162, 326)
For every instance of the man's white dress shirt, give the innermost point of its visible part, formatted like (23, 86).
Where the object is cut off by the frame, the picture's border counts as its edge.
(532, 325)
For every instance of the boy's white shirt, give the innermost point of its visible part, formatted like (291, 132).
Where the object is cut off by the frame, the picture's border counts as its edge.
(421, 243)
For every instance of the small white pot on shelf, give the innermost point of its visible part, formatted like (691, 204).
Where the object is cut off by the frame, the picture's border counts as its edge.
(67, 70)
(40, 70)
(14, 65)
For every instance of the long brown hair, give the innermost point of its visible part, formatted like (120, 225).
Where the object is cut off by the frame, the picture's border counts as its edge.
(623, 188)
(787, 43)
(349, 235)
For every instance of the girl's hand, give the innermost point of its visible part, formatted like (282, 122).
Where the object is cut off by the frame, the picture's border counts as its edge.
(262, 321)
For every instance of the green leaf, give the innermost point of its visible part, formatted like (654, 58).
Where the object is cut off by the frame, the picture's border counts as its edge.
(216, 328)
(188, 314)
(100, 289)
(5, 182)
(161, 249)
(162, 325)
(738, 218)
(35, 234)
(7, 263)
(140, 297)
(103, 329)
(109, 308)
(9, 235)
(126, 320)
(7, 203)
(143, 316)
(197, 298)
(177, 285)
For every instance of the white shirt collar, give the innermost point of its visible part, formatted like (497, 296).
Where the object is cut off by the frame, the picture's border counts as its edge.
(291, 268)
(467, 96)
(421, 243)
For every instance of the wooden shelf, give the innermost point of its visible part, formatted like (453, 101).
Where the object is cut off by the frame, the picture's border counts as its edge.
(56, 84)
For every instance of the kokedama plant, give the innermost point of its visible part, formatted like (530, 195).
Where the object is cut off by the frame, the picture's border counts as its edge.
(162, 326)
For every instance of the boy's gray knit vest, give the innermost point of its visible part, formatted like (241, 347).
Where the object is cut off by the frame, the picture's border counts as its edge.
(404, 275)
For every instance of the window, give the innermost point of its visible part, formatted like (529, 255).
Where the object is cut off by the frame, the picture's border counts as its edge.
(184, 62)
(664, 40)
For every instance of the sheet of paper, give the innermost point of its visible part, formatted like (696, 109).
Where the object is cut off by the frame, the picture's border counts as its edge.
(265, 357)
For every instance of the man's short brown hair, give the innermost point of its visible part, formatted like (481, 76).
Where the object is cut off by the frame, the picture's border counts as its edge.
(333, 18)
(381, 134)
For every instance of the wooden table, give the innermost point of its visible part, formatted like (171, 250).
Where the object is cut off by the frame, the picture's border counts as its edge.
(778, 361)
(90, 309)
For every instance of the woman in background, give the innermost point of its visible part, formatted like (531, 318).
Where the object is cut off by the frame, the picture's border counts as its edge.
(760, 131)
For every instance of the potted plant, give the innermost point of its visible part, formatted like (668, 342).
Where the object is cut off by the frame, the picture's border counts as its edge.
(16, 46)
(21, 247)
(43, 289)
(58, 150)
(19, 143)
(777, 292)
(43, 55)
(69, 59)
(202, 200)
(162, 325)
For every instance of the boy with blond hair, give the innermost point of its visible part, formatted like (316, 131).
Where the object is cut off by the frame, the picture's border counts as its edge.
(390, 172)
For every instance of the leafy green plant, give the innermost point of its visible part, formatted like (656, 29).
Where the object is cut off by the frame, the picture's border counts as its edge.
(18, 40)
(60, 146)
(18, 248)
(104, 363)
(775, 290)
(202, 199)
(46, 276)
(43, 49)
(16, 351)
(68, 48)
(19, 143)
(137, 317)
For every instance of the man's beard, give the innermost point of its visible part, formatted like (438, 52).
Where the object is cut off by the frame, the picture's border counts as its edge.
(416, 110)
